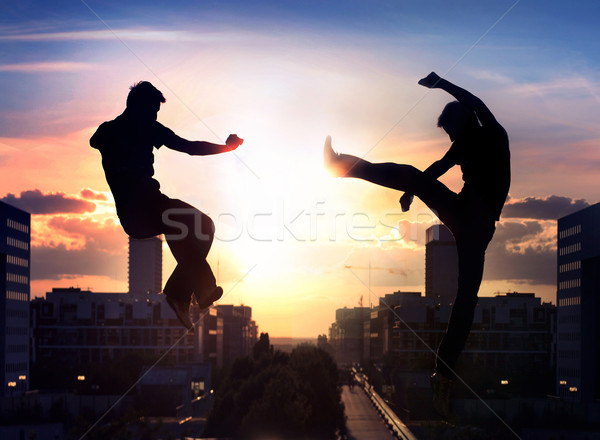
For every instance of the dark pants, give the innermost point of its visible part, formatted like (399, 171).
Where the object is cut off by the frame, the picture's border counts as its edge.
(473, 227)
(188, 232)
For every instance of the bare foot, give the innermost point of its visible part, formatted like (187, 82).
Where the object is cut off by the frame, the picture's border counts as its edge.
(333, 162)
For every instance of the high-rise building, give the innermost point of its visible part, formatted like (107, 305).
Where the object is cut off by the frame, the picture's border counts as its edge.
(441, 265)
(15, 239)
(236, 333)
(145, 267)
(578, 300)
(347, 334)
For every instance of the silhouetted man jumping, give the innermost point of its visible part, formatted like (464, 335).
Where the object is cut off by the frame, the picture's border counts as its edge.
(480, 147)
(126, 144)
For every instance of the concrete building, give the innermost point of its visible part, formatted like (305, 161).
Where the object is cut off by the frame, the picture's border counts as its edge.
(145, 267)
(578, 299)
(441, 265)
(385, 317)
(236, 333)
(171, 391)
(512, 333)
(15, 239)
(81, 327)
(347, 334)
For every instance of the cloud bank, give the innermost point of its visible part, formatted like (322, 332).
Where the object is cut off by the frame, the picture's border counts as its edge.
(36, 202)
(543, 208)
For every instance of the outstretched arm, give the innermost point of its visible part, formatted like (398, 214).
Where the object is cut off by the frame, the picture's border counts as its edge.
(202, 148)
(435, 170)
(433, 81)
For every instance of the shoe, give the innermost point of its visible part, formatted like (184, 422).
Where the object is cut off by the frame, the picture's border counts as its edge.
(205, 302)
(441, 386)
(182, 311)
(332, 160)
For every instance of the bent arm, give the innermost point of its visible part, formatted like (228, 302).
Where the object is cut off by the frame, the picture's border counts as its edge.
(435, 170)
(439, 167)
(463, 96)
(202, 148)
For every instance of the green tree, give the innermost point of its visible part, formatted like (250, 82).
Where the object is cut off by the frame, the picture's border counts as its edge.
(276, 394)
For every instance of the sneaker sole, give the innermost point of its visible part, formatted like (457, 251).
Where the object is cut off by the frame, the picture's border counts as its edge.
(205, 303)
(185, 320)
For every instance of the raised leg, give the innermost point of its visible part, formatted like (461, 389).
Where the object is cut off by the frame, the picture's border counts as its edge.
(437, 196)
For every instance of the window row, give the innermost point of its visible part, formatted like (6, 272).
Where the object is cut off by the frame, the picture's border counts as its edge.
(16, 313)
(19, 244)
(569, 372)
(569, 284)
(567, 267)
(569, 354)
(13, 224)
(573, 301)
(17, 261)
(17, 348)
(16, 367)
(569, 318)
(17, 331)
(566, 250)
(17, 296)
(569, 231)
(569, 337)
(14, 278)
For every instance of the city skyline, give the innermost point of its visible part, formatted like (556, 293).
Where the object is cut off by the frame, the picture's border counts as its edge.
(293, 242)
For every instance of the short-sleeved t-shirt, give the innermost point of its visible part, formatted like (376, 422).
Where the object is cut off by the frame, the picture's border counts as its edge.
(127, 149)
(484, 159)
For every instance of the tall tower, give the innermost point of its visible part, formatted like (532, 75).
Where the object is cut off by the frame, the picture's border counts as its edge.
(578, 298)
(441, 265)
(145, 266)
(15, 240)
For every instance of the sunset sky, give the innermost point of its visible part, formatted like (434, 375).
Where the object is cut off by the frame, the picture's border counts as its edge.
(292, 242)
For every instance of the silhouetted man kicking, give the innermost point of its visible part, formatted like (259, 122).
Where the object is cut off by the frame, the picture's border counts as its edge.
(126, 144)
(480, 147)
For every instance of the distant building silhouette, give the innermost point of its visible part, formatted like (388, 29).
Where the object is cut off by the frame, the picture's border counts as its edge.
(15, 240)
(81, 327)
(174, 391)
(145, 266)
(441, 265)
(383, 319)
(346, 334)
(578, 299)
(512, 333)
(509, 330)
(236, 333)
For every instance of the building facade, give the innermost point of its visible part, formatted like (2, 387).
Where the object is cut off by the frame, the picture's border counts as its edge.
(236, 333)
(513, 336)
(15, 241)
(145, 267)
(441, 265)
(509, 331)
(81, 327)
(347, 334)
(578, 300)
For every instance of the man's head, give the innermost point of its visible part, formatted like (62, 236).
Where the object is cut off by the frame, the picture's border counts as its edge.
(457, 119)
(144, 100)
